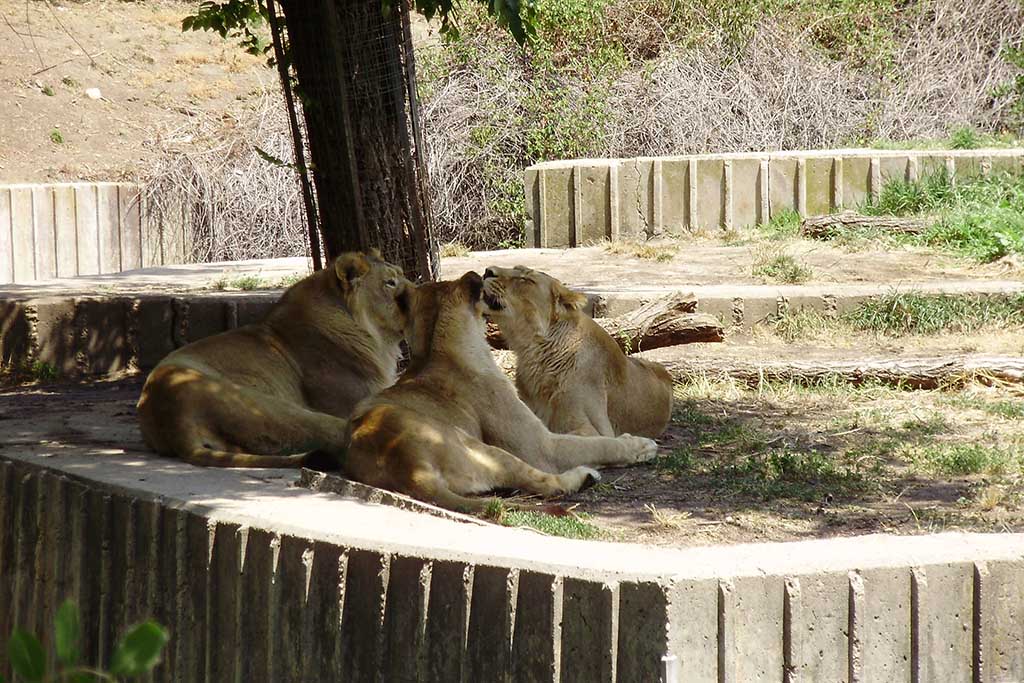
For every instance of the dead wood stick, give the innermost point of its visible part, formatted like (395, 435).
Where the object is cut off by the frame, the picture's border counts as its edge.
(833, 224)
(916, 373)
(666, 321)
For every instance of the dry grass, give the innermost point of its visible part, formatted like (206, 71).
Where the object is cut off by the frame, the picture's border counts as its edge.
(232, 203)
(651, 251)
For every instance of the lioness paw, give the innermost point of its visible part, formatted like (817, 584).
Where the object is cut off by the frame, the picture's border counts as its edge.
(641, 448)
(579, 478)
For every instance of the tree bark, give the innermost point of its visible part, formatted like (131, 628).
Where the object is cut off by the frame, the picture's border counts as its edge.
(666, 321)
(834, 224)
(915, 373)
(356, 82)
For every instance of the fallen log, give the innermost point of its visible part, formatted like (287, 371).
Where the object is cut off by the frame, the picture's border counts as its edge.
(666, 321)
(831, 225)
(910, 373)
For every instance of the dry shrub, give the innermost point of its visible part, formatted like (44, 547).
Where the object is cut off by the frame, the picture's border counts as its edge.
(779, 93)
(209, 183)
(948, 62)
(658, 78)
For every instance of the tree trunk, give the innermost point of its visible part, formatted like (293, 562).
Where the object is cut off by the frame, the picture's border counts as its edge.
(835, 224)
(915, 373)
(356, 81)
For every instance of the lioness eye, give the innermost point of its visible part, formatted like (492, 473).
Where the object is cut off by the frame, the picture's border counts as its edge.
(391, 284)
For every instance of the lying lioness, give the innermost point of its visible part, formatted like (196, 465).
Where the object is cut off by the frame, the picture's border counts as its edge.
(453, 424)
(569, 370)
(264, 395)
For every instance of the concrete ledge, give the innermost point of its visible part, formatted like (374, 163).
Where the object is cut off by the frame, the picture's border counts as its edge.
(78, 336)
(571, 203)
(260, 580)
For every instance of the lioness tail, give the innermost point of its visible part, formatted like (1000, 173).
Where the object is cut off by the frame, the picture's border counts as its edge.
(210, 457)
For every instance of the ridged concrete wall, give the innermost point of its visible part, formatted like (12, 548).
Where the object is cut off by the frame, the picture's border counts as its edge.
(571, 203)
(250, 603)
(93, 336)
(100, 336)
(62, 230)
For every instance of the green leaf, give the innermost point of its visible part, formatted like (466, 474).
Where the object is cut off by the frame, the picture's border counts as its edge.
(68, 633)
(267, 156)
(139, 650)
(27, 657)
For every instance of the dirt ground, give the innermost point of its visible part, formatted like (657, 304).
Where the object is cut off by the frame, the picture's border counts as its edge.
(773, 462)
(152, 78)
(704, 262)
(787, 463)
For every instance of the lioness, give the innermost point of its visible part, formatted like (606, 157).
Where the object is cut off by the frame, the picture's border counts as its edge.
(264, 395)
(569, 370)
(453, 424)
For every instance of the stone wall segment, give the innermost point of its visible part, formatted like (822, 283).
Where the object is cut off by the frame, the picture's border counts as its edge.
(248, 603)
(69, 229)
(536, 641)
(489, 631)
(589, 633)
(448, 607)
(619, 198)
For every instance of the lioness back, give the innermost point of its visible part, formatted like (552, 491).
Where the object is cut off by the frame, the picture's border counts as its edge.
(266, 394)
(569, 370)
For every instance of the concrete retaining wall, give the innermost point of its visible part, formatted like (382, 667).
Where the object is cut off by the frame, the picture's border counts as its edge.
(78, 336)
(63, 230)
(570, 203)
(265, 599)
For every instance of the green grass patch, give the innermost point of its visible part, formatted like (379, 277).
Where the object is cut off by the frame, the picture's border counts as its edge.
(963, 459)
(785, 473)
(902, 313)
(784, 225)
(566, 526)
(961, 138)
(777, 266)
(679, 461)
(981, 218)
(43, 371)
(248, 283)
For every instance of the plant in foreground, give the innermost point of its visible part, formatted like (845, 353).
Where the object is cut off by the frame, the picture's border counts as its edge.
(136, 653)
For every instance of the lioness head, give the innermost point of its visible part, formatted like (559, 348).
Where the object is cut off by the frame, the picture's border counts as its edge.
(374, 290)
(527, 302)
(445, 313)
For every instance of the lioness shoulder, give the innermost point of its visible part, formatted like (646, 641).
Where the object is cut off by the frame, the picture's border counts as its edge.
(265, 394)
(568, 368)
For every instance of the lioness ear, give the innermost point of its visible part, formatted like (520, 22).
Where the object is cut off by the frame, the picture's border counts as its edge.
(475, 284)
(571, 300)
(374, 253)
(351, 266)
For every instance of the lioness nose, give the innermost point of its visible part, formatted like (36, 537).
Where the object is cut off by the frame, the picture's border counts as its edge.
(488, 273)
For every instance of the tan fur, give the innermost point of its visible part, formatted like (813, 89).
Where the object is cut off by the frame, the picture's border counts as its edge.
(453, 425)
(264, 395)
(569, 370)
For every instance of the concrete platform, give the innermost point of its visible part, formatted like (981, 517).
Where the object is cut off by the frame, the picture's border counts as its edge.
(261, 580)
(105, 324)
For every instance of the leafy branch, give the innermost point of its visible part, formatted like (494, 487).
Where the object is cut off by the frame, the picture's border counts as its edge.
(241, 19)
(137, 652)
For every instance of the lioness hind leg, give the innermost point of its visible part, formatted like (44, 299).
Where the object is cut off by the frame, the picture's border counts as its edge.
(260, 432)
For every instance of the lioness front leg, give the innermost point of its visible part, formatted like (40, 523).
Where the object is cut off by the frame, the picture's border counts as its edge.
(571, 450)
(519, 431)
